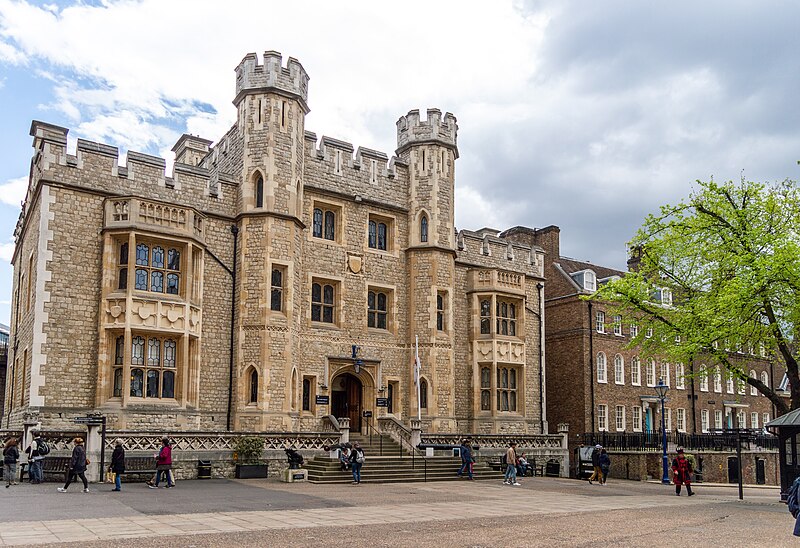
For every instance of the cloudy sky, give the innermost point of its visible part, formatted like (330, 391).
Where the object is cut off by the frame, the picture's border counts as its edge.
(586, 115)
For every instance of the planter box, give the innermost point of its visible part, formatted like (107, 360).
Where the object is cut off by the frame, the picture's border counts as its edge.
(248, 471)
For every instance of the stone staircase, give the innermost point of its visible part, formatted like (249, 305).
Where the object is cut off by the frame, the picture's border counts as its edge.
(386, 462)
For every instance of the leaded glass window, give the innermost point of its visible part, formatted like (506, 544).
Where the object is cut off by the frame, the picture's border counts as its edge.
(486, 385)
(276, 291)
(506, 389)
(156, 379)
(322, 303)
(317, 225)
(486, 317)
(423, 394)
(253, 386)
(330, 225)
(423, 229)
(158, 270)
(376, 309)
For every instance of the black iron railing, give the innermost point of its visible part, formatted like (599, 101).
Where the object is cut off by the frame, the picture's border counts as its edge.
(722, 440)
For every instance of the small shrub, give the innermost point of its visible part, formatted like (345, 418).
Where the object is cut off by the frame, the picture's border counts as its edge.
(248, 449)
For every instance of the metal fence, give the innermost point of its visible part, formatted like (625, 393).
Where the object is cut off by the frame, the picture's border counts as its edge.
(723, 440)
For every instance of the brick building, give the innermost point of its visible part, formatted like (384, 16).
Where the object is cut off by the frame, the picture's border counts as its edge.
(595, 383)
(272, 279)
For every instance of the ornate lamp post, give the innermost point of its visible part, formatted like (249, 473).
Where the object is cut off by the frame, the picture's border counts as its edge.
(661, 392)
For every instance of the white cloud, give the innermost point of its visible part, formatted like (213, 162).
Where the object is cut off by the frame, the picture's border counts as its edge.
(10, 54)
(13, 191)
(7, 251)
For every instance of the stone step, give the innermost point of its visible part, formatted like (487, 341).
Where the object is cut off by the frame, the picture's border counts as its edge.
(370, 477)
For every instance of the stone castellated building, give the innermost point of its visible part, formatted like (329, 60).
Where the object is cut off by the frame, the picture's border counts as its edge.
(274, 279)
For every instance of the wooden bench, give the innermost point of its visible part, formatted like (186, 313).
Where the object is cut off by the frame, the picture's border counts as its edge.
(50, 465)
(496, 463)
(139, 465)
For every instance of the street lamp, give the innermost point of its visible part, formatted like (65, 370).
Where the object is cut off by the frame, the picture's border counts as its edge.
(661, 392)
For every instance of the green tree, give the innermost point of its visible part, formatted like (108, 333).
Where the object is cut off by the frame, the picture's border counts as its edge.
(730, 257)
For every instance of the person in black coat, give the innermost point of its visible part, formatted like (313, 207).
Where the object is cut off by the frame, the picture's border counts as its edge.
(117, 464)
(77, 466)
(598, 473)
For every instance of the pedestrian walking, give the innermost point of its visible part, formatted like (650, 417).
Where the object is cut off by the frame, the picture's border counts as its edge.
(10, 458)
(605, 465)
(793, 502)
(163, 465)
(682, 473)
(466, 459)
(357, 459)
(597, 474)
(511, 465)
(36, 453)
(117, 464)
(77, 466)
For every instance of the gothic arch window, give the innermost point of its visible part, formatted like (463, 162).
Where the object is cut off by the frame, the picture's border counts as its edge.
(154, 364)
(259, 191)
(486, 317)
(486, 386)
(423, 394)
(253, 379)
(423, 228)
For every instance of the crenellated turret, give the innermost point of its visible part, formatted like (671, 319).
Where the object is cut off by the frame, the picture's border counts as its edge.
(291, 80)
(411, 131)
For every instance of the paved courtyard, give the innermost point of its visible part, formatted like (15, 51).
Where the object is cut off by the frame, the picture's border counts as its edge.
(542, 512)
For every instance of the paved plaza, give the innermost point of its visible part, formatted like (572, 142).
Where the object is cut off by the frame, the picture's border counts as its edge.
(542, 512)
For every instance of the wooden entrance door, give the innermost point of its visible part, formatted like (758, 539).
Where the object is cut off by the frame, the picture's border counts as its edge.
(354, 390)
(346, 400)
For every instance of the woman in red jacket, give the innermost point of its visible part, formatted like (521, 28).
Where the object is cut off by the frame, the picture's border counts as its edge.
(163, 464)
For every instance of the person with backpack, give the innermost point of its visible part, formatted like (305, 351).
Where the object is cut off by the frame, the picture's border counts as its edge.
(682, 473)
(357, 459)
(793, 501)
(36, 452)
(466, 459)
(605, 465)
(77, 466)
(10, 458)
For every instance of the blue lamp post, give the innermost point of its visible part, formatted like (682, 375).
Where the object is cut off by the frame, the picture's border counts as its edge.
(661, 392)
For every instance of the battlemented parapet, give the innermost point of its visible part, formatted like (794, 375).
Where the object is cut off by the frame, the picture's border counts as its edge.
(484, 248)
(412, 131)
(291, 80)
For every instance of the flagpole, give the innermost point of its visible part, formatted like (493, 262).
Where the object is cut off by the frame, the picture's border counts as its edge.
(416, 376)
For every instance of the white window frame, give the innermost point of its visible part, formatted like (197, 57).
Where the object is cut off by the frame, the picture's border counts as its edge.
(650, 372)
(666, 296)
(589, 280)
(703, 378)
(741, 419)
(634, 330)
(668, 419)
(602, 418)
(764, 418)
(618, 325)
(600, 322)
(704, 420)
(754, 420)
(619, 418)
(619, 369)
(664, 370)
(765, 378)
(718, 419)
(648, 333)
(602, 368)
(680, 419)
(680, 379)
(730, 385)
(636, 371)
(753, 389)
(717, 380)
(636, 418)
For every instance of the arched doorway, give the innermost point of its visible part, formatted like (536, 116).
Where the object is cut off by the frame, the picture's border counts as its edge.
(346, 399)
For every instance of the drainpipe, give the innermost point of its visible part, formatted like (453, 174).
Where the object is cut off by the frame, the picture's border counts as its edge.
(9, 363)
(542, 384)
(235, 232)
(591, 363)
(694, 398)
(771, 383)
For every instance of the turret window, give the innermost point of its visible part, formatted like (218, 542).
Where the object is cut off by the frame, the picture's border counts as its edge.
(506, 389)
(423, 228)
(276, 289)
(260, 192)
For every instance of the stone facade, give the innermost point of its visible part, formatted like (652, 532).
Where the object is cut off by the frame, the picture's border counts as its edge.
(590, 401)
(342, 260)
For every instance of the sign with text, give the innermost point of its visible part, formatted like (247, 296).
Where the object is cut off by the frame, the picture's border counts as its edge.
(367, 414)
(87, 420)
(323, 400)
(382, 402)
